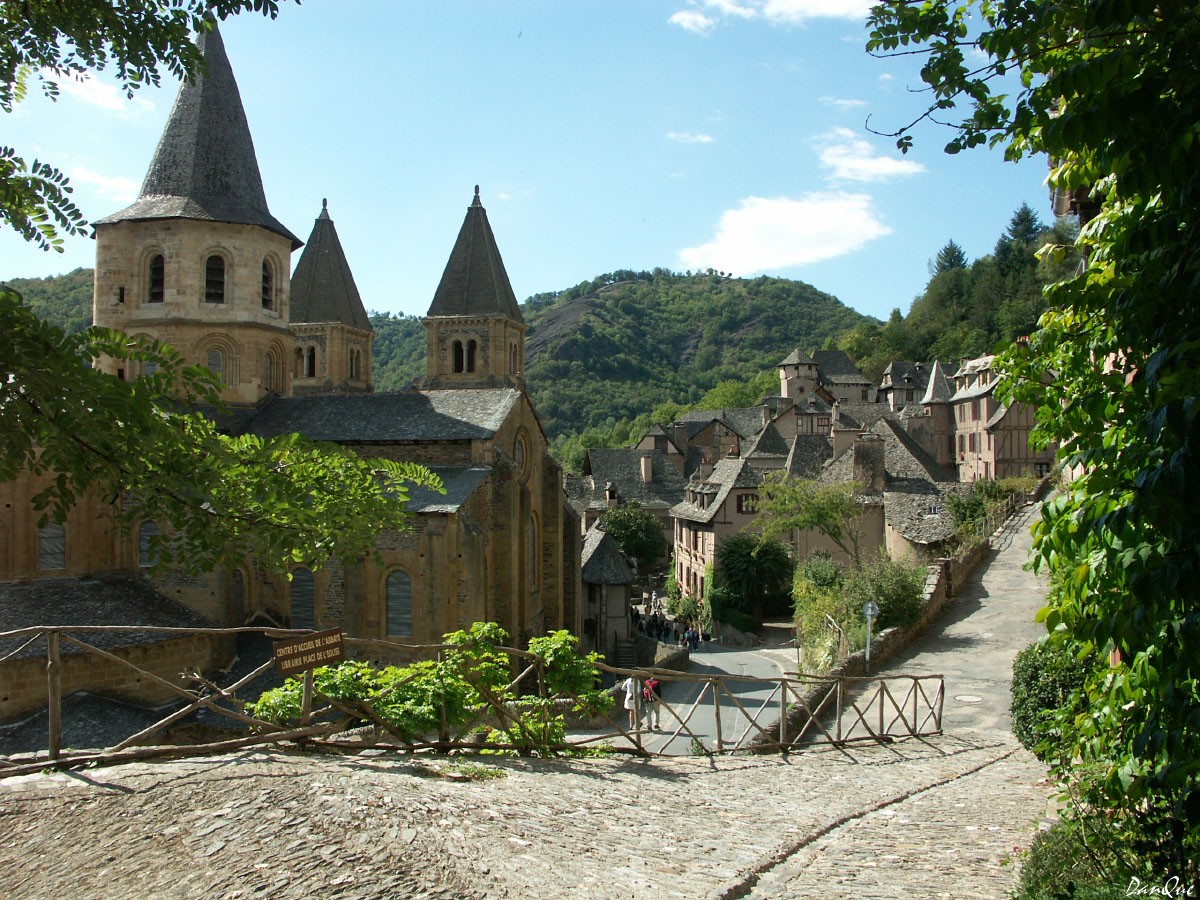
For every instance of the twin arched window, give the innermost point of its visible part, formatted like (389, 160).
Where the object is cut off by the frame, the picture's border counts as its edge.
(464, 356)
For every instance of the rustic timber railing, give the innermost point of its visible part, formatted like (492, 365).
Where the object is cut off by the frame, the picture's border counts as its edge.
(703, 713)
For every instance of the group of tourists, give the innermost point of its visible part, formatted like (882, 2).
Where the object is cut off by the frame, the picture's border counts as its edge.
(657, 625)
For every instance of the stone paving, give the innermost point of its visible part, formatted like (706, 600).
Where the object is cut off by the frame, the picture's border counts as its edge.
(917, 818)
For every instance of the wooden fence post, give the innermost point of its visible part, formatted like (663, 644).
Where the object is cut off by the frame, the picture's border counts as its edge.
(54, 696)
(306, 697)
(717, 712)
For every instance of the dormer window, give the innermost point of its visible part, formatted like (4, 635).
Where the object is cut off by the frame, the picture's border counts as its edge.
(214, 279)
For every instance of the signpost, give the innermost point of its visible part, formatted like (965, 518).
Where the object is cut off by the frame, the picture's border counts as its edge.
(870, 610)
(303, 654)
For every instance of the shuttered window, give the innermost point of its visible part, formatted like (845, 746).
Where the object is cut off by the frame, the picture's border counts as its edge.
(214, 279)
(399, 604)
(158, 272)
(303, 605)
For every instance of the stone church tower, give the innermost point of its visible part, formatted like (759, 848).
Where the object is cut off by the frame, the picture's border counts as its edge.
(333, 332)
(475, 332)
(198, 260)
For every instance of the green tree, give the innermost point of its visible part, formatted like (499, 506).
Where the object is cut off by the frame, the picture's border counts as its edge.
(952, 256)
(217, 498)
(637, 532)
(1105, 92)
(787, 504)
(756, 577)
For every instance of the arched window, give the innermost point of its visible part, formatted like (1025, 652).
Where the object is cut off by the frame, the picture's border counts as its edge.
(310, 363)
(52, 547)
(532, 538)
(353, 364)
(470, 356)
(299, 369)
(272, 372)
(214, 279)
(268, 285)
(303, 604)
(147, 552)
(214, 361)
(158, 279)
(399, 604)
(458, 356)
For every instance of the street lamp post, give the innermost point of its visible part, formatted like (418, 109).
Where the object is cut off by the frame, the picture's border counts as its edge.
(870, 610)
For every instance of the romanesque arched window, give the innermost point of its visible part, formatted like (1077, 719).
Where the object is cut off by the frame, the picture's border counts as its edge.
(353, 365)
(214, 279)
(531, 538)
(458, 357)
(471, 347)
(303, 599)
(52, 547)
(310, 363)
(214, 361)
(399, 604)
(268, 285)
(157, 279)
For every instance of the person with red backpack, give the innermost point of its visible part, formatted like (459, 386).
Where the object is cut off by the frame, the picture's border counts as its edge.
(652, 695)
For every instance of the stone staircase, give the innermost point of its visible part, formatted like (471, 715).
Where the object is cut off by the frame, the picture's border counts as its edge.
(626, 653)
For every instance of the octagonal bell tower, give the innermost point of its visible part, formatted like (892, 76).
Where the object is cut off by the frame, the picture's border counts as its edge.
(198, 260)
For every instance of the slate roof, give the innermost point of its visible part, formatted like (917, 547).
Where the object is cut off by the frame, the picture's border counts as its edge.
(205, 167)
(448, 415)
(797, 358)
(474, 282)
(836, 367)
(912, 480)
(808, 455)
(603, 561)
(460, 483)
(323, 288)
(744, 422)
(769, 443)
(939, 389)
(623, 468)
(107, 600)
(726, 475)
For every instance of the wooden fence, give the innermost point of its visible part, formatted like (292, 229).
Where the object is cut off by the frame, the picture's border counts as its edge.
(704, 713)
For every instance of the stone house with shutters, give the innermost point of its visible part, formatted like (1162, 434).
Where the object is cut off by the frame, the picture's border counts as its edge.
(198, 261)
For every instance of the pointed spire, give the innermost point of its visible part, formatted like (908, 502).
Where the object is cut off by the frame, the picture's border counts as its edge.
(938, 389)
(474, 282)
(323, 288)
(204, 166)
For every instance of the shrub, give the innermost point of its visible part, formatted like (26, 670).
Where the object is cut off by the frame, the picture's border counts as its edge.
(1060, 864)
(820, 570)
(894, 586)
(1045, 675)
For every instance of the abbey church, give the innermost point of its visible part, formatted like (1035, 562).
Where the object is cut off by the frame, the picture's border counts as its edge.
(198, 261)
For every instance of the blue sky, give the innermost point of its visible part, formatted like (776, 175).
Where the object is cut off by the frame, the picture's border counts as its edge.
(688, 134)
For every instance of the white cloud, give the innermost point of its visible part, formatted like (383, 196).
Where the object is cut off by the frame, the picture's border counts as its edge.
(104, 95)
(843, 102)
(853, 159)
(693, 21)
(776, 12)
(685, 137)
(766, 234)
(115, 187)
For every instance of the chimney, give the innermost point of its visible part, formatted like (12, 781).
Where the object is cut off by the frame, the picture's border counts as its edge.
(610, 495)
(647, 468)
(868, 463)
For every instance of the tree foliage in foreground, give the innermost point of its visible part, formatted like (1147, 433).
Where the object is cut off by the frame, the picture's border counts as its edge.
(1109, 92)
(215, 498)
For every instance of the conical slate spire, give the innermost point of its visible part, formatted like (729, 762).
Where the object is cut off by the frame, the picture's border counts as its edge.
(204, 166)
(474, 282)
(323, 288)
